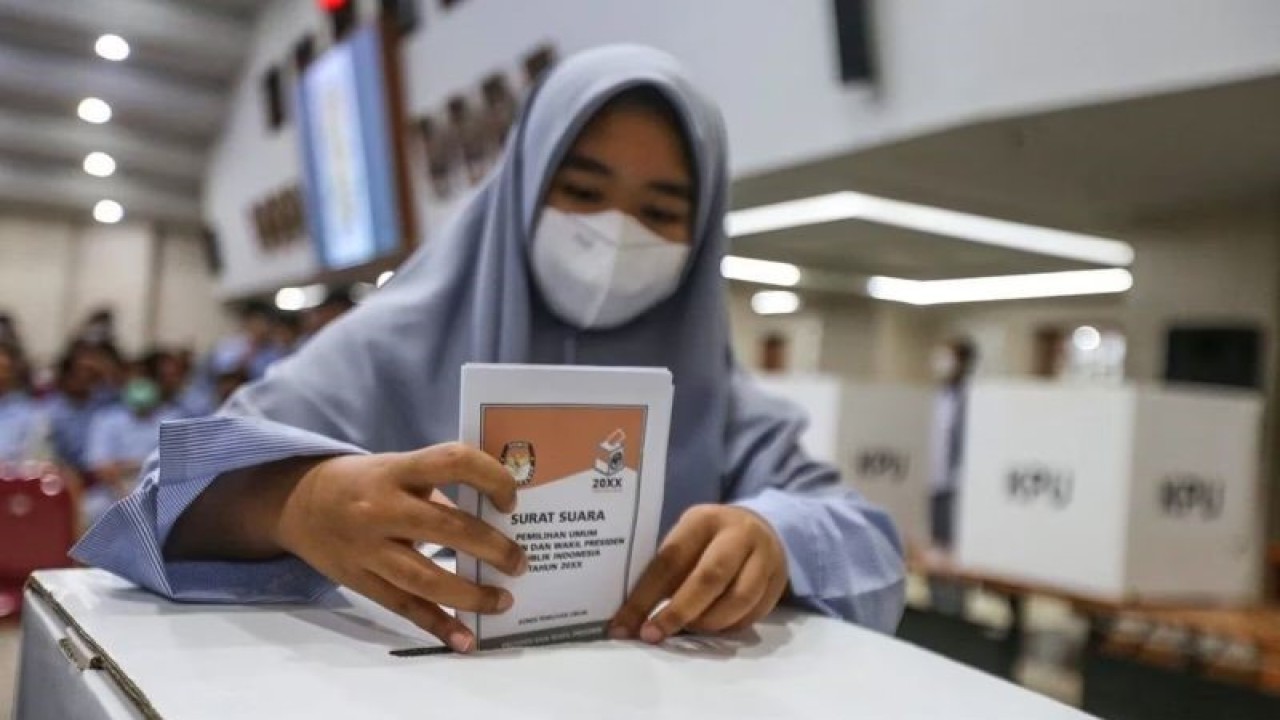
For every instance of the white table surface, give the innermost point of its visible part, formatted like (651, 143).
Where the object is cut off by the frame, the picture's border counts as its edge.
(332, 660)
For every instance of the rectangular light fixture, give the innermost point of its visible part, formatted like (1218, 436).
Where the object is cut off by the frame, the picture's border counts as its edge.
(849, 205)
(1003, 287)
(775, 302)
(763, 272)
(292, 299)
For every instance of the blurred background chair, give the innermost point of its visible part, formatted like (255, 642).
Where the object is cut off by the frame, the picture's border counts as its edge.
(37, 528)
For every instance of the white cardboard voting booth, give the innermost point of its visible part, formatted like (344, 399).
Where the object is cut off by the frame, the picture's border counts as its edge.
(878, 435)
(1118, 491)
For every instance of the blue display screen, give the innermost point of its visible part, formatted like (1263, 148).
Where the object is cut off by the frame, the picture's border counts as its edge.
(349, 178)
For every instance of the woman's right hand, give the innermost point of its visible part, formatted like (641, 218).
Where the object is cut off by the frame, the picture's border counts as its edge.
(356, 518)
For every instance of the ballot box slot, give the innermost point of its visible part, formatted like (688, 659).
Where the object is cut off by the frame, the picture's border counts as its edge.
(84, 653)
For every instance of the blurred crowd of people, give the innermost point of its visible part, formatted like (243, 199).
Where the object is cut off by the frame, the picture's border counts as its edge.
(95, 413)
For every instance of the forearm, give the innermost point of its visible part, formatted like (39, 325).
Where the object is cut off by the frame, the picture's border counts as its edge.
(237, 517)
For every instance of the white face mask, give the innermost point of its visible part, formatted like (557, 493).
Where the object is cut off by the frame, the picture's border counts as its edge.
(602, 270)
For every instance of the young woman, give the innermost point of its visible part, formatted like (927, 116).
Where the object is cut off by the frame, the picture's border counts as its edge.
(596, 240)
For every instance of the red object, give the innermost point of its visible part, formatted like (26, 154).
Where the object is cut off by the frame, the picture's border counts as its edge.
(37, 528)
(331, 5)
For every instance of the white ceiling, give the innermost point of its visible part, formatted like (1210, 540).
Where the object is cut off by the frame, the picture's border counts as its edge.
(169, 99)
(1089, 169)
(1096, 169)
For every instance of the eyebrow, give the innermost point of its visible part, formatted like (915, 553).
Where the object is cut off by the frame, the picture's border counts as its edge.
(672, 188)
(679, 190)
(586, 164)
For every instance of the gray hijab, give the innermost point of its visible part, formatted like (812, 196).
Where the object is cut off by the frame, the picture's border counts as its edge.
(386, 377)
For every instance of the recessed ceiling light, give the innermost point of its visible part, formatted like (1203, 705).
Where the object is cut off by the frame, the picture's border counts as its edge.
(775, 302)
(99, 164)
(849, 205)
(764, 272)
(1000, 287)
(108, 212)
(94, 110)
(112, 47)
(1086, 338)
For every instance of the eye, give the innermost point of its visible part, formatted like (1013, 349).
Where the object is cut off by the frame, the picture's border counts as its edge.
(580, 193)
(661, 216)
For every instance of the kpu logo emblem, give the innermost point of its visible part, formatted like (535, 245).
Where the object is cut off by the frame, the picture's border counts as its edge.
(1031, 482)
(1185, 494)
(882, 464)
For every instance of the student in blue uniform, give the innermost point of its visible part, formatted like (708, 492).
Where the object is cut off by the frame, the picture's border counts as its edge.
(71, 410)
(179, 398)
(120, 439)
(20, 417)
(596, 240)
(253, 349)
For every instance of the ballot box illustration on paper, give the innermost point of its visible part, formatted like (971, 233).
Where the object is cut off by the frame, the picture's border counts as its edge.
(612, 455)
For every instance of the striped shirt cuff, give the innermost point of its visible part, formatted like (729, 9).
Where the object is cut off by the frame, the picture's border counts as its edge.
(130, 538)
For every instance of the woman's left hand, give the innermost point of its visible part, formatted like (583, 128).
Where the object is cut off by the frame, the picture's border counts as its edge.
(723, 567)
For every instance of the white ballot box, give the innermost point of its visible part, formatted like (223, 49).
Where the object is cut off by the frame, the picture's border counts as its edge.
(1120, 492)
(821, 399)
(877, 434)
(886, 431)
(95, 647)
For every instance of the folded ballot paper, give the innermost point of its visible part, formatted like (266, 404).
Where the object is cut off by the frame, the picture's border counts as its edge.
(588, 450)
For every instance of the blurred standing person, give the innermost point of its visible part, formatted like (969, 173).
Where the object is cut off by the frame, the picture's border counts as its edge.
(120, 439)
(20, 417)
(954, 364)
(252, 349)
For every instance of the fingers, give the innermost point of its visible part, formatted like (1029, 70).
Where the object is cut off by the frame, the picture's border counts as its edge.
(740, 599)
(424, 614)
(672, 564)
(715, 573)
(773, 593)
(407, 570)
(415, 520)
(455, 462)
